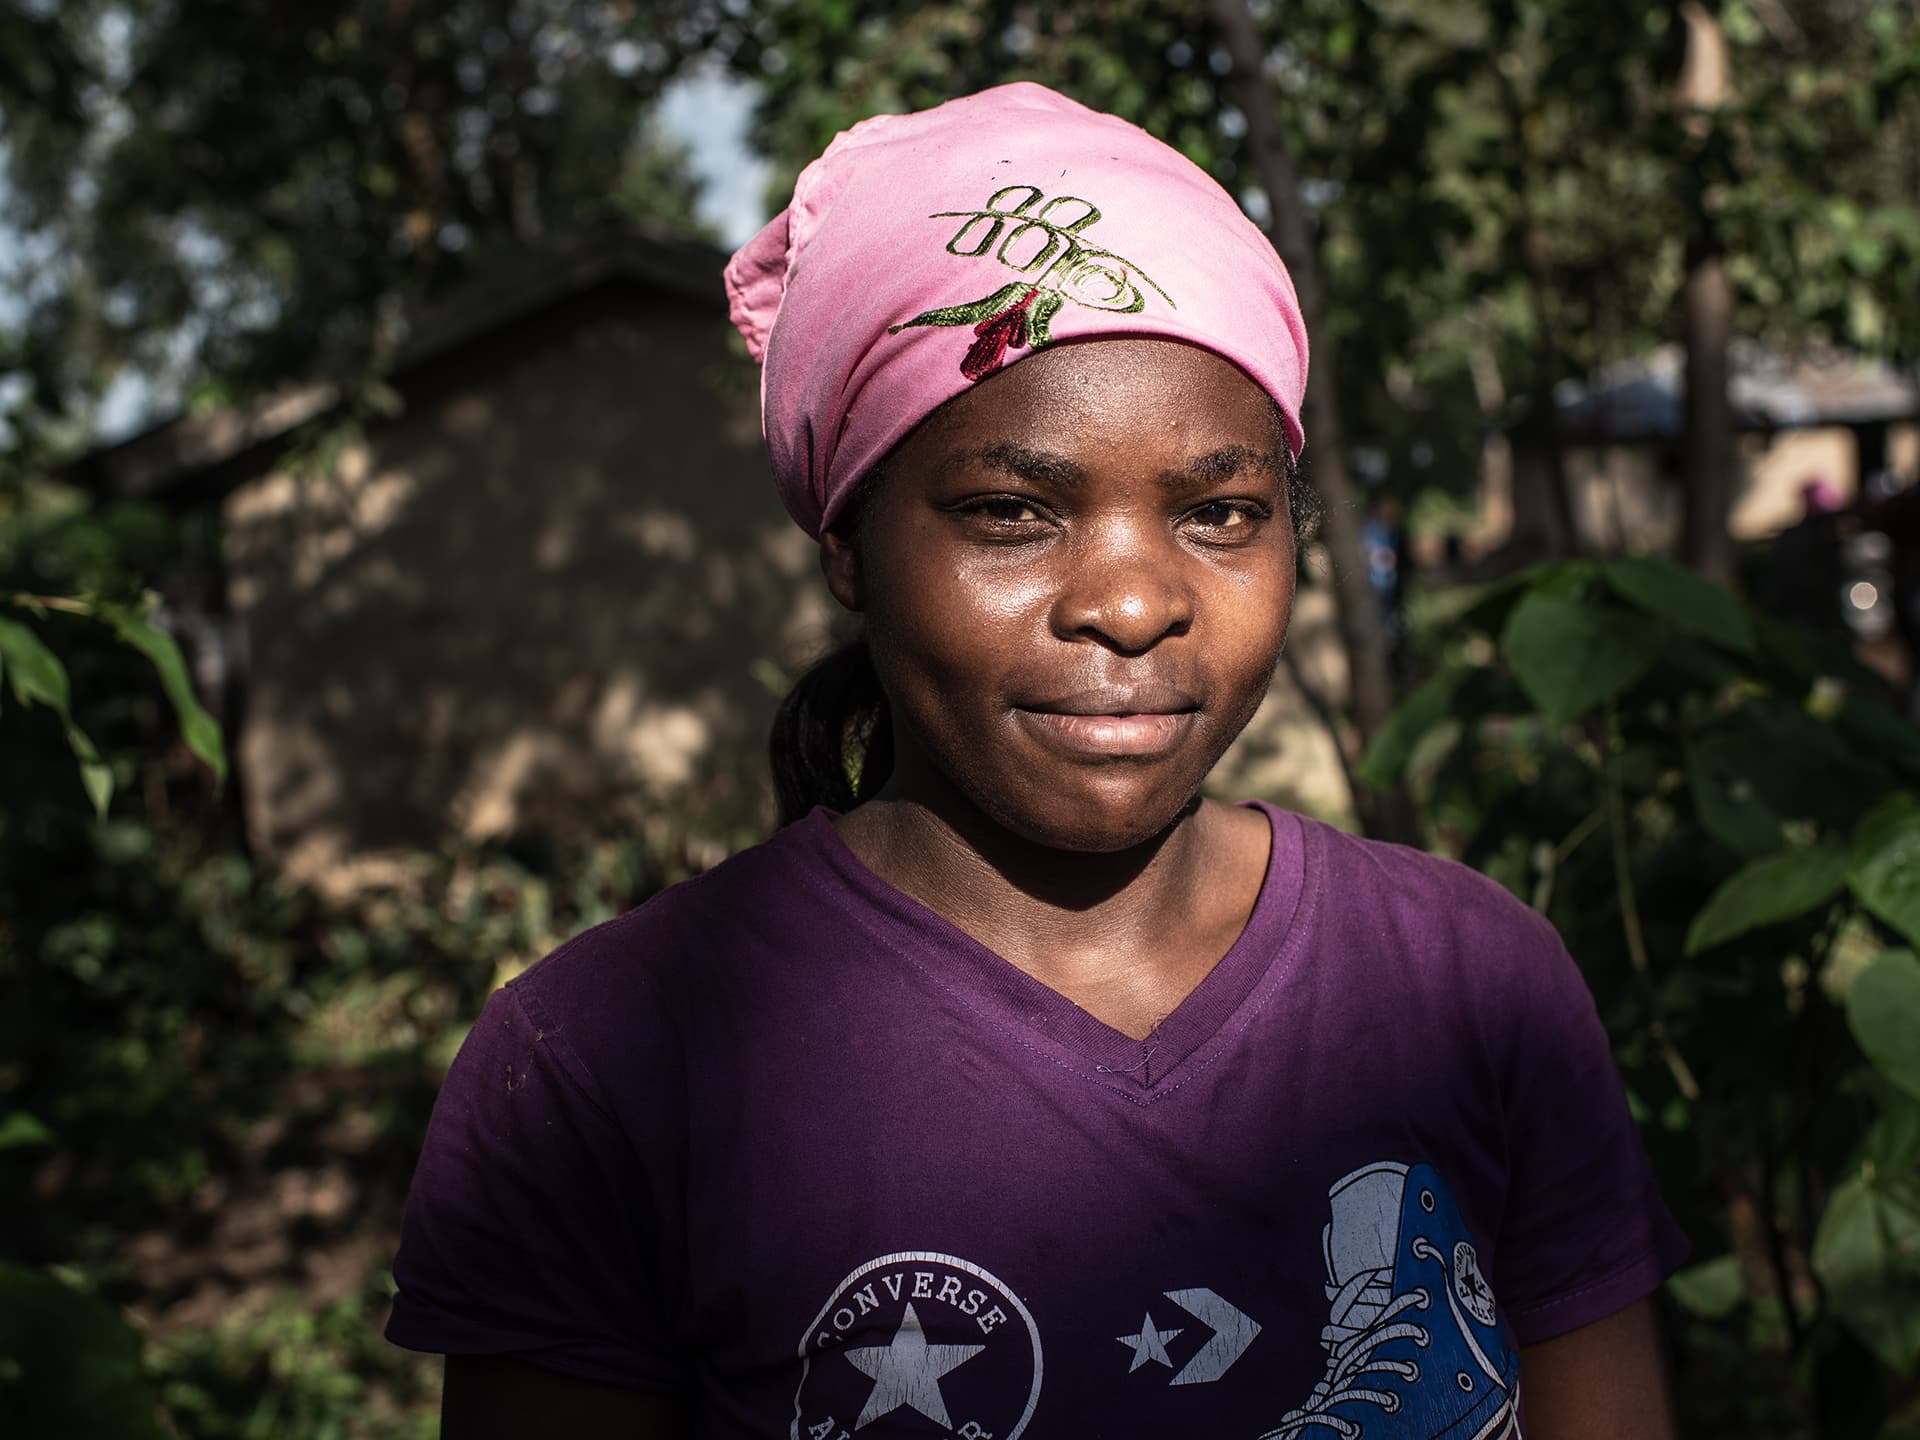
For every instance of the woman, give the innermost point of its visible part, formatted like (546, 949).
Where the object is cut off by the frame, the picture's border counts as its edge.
(1012, 1088)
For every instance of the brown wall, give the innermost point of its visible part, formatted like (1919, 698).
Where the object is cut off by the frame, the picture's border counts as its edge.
(546, 598)
(1622, 500)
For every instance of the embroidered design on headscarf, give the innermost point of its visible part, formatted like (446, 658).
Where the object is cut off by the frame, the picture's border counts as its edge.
(1044, 243)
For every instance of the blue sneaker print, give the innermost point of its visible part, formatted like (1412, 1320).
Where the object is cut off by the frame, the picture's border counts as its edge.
(1415, 1348)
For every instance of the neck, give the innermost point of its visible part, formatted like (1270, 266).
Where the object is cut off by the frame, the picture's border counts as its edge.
(1125, 934)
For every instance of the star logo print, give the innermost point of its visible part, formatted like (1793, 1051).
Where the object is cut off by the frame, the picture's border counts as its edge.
(1470, 1286)
(1149, 1344)
(907, 1371)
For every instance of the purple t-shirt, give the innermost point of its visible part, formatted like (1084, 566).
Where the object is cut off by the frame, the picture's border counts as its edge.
(786, 1137)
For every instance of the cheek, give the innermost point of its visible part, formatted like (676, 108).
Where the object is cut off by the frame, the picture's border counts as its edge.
(955, 609)
(1254, 609)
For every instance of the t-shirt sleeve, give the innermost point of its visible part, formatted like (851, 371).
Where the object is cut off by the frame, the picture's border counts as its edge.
(1584, 1231)
(532, 1226)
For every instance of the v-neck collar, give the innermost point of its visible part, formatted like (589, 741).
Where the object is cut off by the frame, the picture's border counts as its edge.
(1004, 995)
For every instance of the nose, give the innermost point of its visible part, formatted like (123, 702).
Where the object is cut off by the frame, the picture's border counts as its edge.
(1124, 589)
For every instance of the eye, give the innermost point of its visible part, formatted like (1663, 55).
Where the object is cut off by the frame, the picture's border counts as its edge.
(1008, 509)
(1002, 517)
(1228, 519)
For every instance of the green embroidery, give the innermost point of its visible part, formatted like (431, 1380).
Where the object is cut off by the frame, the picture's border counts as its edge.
(1044, 243)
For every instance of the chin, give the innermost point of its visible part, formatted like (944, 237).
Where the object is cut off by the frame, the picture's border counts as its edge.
(1096, 819)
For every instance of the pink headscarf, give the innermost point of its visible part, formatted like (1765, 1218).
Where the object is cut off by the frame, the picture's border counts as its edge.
(924, 252)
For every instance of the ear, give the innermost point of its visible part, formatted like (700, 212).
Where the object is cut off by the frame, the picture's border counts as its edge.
(840, 563)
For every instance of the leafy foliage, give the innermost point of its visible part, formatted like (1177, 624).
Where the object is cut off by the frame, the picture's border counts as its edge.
(1673, 780)
(224, 196)
(195, 1041)
(72, 1365)
(289, 1368)
(73, 603)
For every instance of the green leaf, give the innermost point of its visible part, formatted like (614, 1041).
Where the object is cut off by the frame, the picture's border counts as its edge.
(1730, 805)
(971, 313)
(1426, 707)
(96, 776)
(1867, 1254)
(1685, 600)
(77, 1364)
(18, 1129)
(1713, 1288)
(1883, 1009)
(1493, 606)
(1767, 891)
(1774, 759)
(1892, 1141)
(1886, 864)
(34, 671)
(200, 730)
(1040, 318)
(1879, 731)
(1571, 656)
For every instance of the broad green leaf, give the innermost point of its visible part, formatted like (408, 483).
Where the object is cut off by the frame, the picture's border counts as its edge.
(18, 1128)
(1880, 731)
(1571, 656)
(1886, 864)
(76, 1364)
(1892, 1141)
(1867, 1254)
(201, 730)
(1767, 891)
(1883, 1008)
(1713, 1288)
(1778, 761)
(1730, 805)
(34, 671)
(1426, 707)
(1494, 606)
(1688, 601)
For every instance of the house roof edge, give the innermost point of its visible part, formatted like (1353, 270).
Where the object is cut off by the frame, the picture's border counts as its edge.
(157, 461)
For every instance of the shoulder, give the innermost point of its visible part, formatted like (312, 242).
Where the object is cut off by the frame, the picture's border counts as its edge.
(1415, 897)
(1447, 943)
(649, 967)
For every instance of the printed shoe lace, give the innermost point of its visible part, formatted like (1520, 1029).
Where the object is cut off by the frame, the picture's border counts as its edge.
(1351, 1361)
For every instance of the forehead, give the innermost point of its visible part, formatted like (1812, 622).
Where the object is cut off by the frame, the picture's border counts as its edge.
(1127, 395)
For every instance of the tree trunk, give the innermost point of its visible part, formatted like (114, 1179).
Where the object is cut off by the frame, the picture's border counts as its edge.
(1706, 303)
(1707, 441)
(1543, 511)
(1361, 633)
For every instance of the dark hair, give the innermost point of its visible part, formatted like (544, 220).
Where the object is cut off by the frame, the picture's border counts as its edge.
(832, 738)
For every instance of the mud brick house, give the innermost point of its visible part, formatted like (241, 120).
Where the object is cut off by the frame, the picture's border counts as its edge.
(1818, 415)
(554, 588)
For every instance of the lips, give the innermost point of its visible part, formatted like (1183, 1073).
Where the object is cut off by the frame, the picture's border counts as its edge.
(1113, 721)
(1153, 698)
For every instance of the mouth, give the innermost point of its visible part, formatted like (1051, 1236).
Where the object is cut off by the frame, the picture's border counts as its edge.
(1130, 721)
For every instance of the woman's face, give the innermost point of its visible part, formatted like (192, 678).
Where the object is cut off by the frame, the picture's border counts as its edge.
(1076, 579)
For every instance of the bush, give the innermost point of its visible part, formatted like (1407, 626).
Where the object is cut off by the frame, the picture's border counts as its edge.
(1722, 821)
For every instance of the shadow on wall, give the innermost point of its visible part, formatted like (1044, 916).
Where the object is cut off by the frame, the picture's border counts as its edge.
(556, 596)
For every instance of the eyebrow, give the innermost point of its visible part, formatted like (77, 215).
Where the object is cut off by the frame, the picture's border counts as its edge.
(1046, 467)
